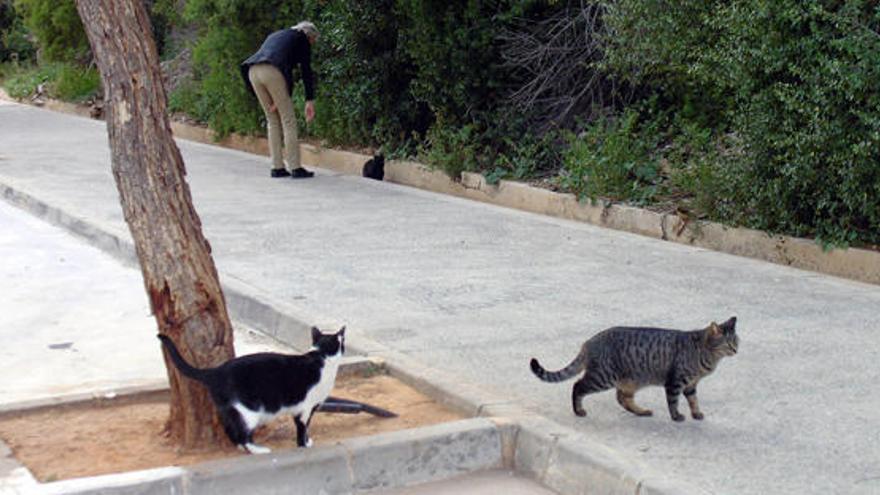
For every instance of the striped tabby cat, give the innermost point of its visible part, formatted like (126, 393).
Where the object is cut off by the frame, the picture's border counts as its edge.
(629, 358)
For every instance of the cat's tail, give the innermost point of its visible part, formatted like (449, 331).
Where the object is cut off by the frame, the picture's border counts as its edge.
(185, 368)
(575, 367)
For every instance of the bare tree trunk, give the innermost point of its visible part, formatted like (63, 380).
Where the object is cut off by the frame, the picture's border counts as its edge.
(179, 273)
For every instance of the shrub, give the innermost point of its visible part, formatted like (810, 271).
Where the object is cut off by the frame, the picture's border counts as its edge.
(451, 149)
(797, 81)
(62, 81)
(366, 77)
(614, 159)
(14, 42)
(807, 80)
(57, 28)
(77, 84)
(455, 49)
(23, 82)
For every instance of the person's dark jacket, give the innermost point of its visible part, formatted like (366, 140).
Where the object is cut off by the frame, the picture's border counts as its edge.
(284, 49)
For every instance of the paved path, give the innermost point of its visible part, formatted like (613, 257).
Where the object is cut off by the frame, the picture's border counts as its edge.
(477, 290)
(73, 320)
(66, 336)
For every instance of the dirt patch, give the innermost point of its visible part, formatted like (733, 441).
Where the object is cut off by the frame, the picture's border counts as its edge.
(126, 434)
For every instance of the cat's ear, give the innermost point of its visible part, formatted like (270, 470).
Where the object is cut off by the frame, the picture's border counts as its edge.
(316, 335)
(341, 332)
(715, 330)
(729, 325)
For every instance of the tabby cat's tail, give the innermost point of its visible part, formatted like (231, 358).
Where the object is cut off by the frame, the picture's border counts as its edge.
(185, 368)
(575, 367)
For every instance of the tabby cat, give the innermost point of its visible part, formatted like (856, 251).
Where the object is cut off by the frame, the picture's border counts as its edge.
(629, 358)
(251, 390)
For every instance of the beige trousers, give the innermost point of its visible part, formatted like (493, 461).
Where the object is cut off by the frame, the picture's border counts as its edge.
(270, 87)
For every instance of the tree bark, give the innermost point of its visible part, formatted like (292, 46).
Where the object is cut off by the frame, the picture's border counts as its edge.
(175, 258)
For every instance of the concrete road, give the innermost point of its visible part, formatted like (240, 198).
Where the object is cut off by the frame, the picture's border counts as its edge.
(478, 290)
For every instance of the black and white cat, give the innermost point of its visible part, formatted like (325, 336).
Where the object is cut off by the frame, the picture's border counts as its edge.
(251, 390)
(375, 167)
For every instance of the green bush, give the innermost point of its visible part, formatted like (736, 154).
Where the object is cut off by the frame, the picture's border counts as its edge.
(807, 80)
(14, 42)
(454, 49)
(75, 83)
(229, 32)
(23, 82)
(57, 28)
(62, 81)
(451, 149)
(222, 99)
(614, 159)
(366, 95)
(797, 81)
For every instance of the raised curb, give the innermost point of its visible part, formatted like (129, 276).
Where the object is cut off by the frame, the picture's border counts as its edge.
(388, 460)
(14, 478)
(76, 398)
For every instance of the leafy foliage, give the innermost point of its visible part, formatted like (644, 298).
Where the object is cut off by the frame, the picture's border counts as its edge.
(763, 113)
(14, 43)
(796, 81)
(366, 77)
(57, 28)
(614, 159)
(23, 82)
(75, 83)
(452, 45)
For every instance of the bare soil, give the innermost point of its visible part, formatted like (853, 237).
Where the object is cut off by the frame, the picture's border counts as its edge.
(111, 436)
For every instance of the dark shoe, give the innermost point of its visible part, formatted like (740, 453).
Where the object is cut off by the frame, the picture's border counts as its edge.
(301, 173)
(280, 172)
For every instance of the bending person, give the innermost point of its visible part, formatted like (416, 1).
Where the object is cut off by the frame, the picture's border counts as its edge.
(267, 74)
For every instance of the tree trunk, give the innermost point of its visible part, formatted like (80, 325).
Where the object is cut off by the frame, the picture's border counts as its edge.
(175, 258)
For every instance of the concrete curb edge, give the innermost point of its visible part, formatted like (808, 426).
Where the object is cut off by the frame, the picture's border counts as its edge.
(351, 465)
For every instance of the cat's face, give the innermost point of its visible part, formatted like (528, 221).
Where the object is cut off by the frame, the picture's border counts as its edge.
(330, 344)
(722, 339)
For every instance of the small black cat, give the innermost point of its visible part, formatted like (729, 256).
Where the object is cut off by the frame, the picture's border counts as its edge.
(375, 167)
(629, 358)
(251, 390)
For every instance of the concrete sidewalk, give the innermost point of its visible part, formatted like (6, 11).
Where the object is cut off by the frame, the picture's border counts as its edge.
(65, 334)
(476, 291)
(67, 338)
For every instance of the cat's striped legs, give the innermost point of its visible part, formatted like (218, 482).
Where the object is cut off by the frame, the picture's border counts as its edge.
(589, 384)
(626, 398)
(673, 390)
(690, 393)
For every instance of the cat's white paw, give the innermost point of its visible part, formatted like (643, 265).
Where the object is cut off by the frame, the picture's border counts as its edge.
(308, 443)
(257, 449)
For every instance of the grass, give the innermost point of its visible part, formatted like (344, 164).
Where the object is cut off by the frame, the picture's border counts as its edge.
(62, 81)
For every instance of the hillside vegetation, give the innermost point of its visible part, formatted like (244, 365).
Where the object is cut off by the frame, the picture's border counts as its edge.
(762, 113)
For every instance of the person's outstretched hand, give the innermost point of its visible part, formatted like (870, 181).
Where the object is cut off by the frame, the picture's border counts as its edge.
(310, 110)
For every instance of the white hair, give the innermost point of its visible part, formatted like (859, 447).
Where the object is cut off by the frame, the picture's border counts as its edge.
(308, 28)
